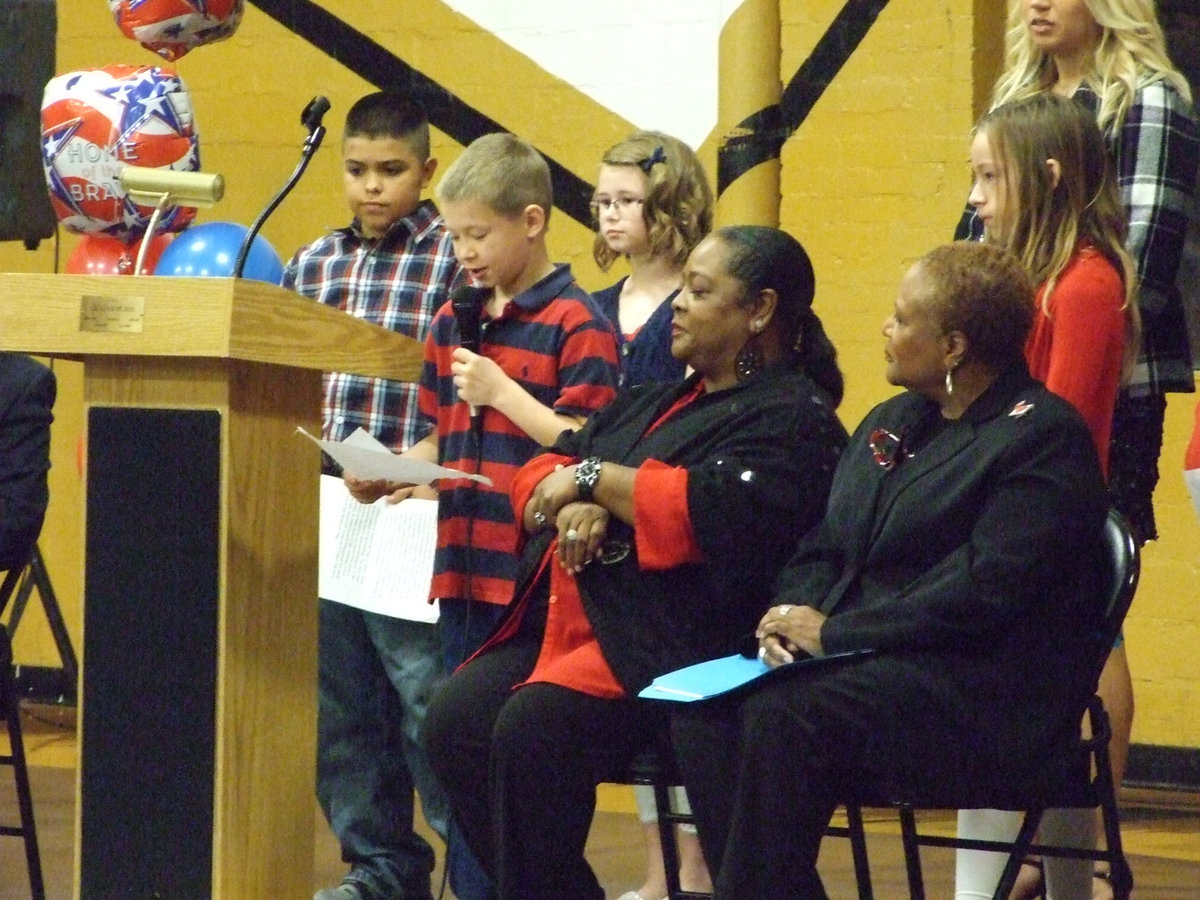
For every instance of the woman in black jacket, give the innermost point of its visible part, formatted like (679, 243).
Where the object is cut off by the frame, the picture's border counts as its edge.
(650, 534)
(959, 545)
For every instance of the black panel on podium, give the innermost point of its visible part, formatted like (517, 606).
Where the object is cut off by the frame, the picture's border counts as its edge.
(150, 633)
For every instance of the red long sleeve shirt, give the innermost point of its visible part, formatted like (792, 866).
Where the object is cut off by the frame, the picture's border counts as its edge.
(1077, 349)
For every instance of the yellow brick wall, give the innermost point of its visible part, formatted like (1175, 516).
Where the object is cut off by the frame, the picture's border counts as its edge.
(874, 177)
(877, 174)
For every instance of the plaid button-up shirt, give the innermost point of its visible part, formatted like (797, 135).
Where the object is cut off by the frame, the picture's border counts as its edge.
(398, 281)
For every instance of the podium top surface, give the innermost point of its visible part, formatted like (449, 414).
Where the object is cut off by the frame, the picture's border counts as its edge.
(77, 316)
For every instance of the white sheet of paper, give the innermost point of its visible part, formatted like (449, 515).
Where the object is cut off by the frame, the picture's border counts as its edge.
(377, 557)
(364, 457)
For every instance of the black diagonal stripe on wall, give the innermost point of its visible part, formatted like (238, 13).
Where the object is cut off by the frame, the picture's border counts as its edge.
(756, 139)
(447, 112)
(760, 137)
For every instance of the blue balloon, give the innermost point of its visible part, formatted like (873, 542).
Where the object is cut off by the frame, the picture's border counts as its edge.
(211, 249)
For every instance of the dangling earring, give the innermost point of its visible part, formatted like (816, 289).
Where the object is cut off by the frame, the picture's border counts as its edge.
(949, 382)
(749, 359)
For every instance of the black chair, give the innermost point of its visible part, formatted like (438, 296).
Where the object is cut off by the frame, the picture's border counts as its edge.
(1093, 791)
(10, 706)
(656, 767)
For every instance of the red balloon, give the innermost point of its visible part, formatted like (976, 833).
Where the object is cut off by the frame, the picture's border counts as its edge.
(100, 254)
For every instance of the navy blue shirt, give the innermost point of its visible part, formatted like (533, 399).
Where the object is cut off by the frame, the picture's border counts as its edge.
(646, 358)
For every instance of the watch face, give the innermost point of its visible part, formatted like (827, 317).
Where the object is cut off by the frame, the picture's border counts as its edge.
(587, 473)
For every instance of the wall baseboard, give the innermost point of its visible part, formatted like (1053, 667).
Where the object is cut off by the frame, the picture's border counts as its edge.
(1162, 767)
(1150, 766)
(44, 684)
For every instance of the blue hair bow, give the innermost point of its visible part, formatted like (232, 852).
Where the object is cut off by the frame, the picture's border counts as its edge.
(658, 156)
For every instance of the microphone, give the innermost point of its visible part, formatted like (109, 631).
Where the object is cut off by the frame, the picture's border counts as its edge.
(314, 112)
(467, 303)
(311, 120)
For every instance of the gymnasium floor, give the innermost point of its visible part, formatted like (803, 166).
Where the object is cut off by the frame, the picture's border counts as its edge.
(1161, 830)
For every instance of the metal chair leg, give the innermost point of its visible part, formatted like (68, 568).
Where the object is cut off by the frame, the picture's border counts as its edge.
(858, 849)
(666, 837)
(912, 852)
(1025, 836)
(28, 829)
(1120, 875)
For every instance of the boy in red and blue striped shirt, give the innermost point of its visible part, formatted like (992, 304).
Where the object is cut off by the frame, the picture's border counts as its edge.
(547, 358)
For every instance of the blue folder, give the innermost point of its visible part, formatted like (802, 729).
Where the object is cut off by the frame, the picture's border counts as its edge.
(720, 676)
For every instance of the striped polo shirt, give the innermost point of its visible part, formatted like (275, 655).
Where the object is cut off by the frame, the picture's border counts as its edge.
(559, 348)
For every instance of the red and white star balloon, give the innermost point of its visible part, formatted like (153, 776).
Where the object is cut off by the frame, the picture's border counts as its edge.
(173, 27)
(97, 121)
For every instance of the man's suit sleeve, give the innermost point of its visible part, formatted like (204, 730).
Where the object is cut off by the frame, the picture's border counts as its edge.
(24, 460)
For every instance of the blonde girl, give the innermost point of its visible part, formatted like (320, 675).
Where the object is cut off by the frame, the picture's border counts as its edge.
(1044, 189)
(652, 206)
(1111, 55)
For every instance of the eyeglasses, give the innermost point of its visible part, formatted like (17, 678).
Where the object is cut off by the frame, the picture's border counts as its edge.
(887, 449)
(621, 204)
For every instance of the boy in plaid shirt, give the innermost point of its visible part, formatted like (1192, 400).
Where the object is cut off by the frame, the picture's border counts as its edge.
(393, 266)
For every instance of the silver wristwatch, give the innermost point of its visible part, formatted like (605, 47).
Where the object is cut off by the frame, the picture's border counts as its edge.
(587, 473)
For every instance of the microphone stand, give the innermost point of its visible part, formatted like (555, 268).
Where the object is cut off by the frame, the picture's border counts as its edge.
(311, 118)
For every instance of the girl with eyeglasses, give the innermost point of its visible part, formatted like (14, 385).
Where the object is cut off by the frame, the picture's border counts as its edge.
(652, 206)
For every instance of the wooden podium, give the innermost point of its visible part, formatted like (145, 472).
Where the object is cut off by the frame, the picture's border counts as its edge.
(198, 686)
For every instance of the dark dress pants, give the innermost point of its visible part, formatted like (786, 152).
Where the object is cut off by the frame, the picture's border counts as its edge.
(765, 770)
(521, 767)
(463, 626)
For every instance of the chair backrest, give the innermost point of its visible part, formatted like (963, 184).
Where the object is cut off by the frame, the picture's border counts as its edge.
(1123, 565)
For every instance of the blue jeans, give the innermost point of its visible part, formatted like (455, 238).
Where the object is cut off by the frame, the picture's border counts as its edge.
(375, 677)
(464, 626)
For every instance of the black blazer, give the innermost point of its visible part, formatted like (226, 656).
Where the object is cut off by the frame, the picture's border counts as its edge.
(27, 393)
(976, 555)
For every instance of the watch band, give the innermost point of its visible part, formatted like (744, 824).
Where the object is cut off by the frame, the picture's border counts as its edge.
(587, 473)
